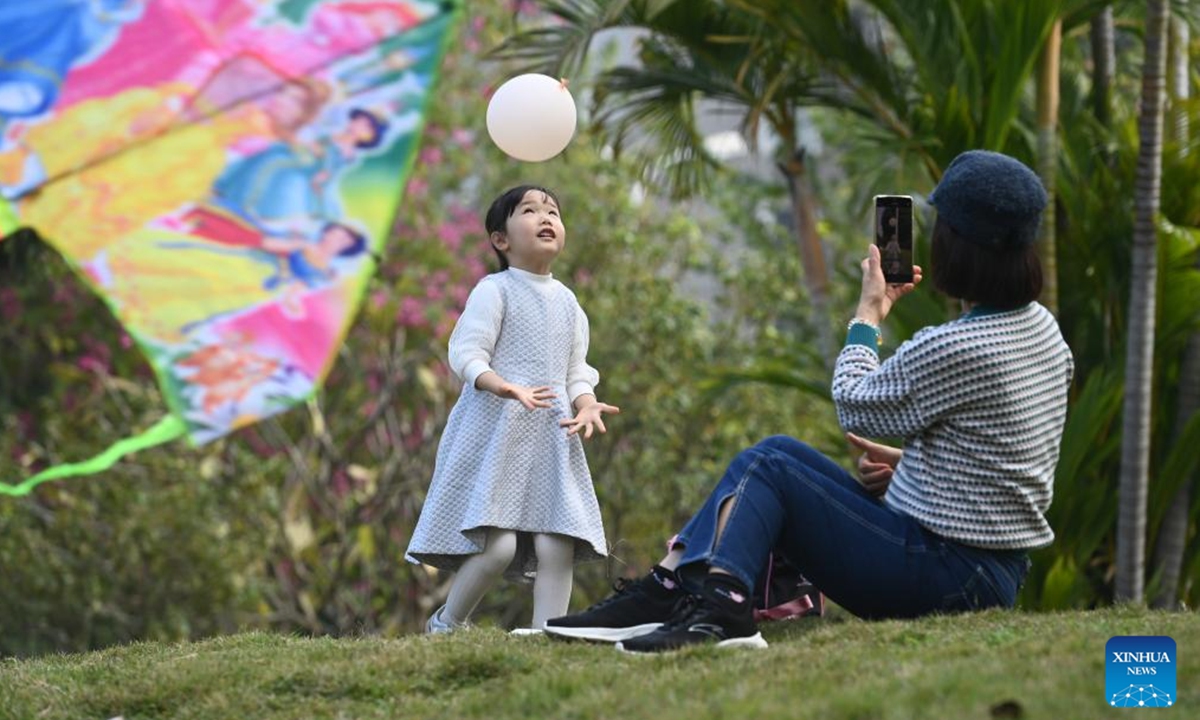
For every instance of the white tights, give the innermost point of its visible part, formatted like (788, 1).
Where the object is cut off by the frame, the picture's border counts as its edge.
(551, 587)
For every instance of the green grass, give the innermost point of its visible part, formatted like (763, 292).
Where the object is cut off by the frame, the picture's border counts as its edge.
(1049, 665)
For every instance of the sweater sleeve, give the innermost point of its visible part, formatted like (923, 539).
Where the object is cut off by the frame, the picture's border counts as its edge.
(876, 399)
(581, 377)
(474, 338)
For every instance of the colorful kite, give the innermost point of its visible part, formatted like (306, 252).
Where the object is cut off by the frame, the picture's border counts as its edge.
(222, 172)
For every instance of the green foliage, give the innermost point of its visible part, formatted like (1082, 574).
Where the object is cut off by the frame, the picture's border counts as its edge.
(300, 523)
(161, 551)
(898, 88)
(1095, 195)
(998, 664)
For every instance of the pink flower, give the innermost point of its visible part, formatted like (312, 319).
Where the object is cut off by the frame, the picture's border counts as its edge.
(431, 155)
(126, 341)
(258, 445)
(340, 482)
(25, 426)
(10, 304)
(451, 235)
(583, 276)
(462, 137)
(417, 187)
(468, 221)
(91, 364)
(444, 327)
(475, 269)
(411, 313)
(62, 294)
(379, 299)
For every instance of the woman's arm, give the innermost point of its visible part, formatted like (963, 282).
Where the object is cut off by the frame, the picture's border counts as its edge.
(873, 398)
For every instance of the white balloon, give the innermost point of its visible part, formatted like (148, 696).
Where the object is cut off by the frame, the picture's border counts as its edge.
(531, 117)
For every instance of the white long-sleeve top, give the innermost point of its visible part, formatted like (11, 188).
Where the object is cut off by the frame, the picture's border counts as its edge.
(980, 402)
(474, 338)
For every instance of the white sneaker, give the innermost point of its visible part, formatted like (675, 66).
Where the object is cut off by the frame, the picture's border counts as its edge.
(435, 625)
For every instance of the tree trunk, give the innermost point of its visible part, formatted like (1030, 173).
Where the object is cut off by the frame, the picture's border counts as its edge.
(1178, 89)
(1103, 60)
(1047, 150)
(1172, 536)
(1139, 355)
(812, 254)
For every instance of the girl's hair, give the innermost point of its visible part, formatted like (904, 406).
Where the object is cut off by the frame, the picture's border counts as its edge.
(1003, 278)
(502, 209)
(378, 126)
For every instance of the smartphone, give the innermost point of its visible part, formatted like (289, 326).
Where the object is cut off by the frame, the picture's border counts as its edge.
(894, 237)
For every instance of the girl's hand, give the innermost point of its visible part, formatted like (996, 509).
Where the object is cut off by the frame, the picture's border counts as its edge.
(588, 418)
(538, 397)
(877, 297)
(876, 464)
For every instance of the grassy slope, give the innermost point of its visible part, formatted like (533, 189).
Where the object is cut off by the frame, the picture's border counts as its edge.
(945, 667)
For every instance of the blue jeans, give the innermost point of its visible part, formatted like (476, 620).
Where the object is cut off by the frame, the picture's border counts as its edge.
(872, 560)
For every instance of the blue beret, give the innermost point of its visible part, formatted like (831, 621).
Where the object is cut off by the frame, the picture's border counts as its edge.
(990, 199)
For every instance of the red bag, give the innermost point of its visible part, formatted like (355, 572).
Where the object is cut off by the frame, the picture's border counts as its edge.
(783, 593)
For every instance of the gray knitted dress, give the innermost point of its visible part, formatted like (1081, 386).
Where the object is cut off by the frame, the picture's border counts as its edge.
(501, 465)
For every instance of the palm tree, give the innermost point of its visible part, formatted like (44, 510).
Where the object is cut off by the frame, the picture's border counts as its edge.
(1172, 537)
(1047, 157)
(1139, 356)
(922, 79)
(1103, 62)
(695, 50)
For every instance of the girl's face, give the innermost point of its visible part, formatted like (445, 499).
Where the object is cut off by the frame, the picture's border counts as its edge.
(534, 234)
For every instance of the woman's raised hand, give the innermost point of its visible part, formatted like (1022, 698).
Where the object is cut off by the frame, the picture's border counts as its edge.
(877, 296)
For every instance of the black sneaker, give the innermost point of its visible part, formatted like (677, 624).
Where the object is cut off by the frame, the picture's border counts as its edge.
(636, 608)
(700, 620)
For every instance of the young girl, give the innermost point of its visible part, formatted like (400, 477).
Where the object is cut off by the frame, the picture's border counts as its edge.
(511, 488)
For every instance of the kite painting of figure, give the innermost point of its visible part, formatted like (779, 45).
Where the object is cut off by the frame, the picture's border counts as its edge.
(226, 192)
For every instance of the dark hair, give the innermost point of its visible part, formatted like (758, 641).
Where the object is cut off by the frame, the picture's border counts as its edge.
(1002, 278)
(358, 240)
(378, 124)
(502, 209)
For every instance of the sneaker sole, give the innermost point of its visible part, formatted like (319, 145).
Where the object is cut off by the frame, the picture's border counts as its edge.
(602, 634)
(753, 642)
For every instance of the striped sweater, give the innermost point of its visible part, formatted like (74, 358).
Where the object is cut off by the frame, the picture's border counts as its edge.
(980, 402)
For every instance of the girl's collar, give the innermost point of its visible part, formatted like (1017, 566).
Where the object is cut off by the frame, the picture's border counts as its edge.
(531, 275)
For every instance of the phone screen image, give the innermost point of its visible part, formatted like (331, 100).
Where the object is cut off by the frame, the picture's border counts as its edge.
(894, 237)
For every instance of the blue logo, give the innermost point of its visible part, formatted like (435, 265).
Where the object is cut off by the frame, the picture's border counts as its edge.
(1140, 671)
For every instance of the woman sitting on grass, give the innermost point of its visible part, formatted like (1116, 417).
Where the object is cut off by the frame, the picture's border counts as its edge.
(942, 525)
